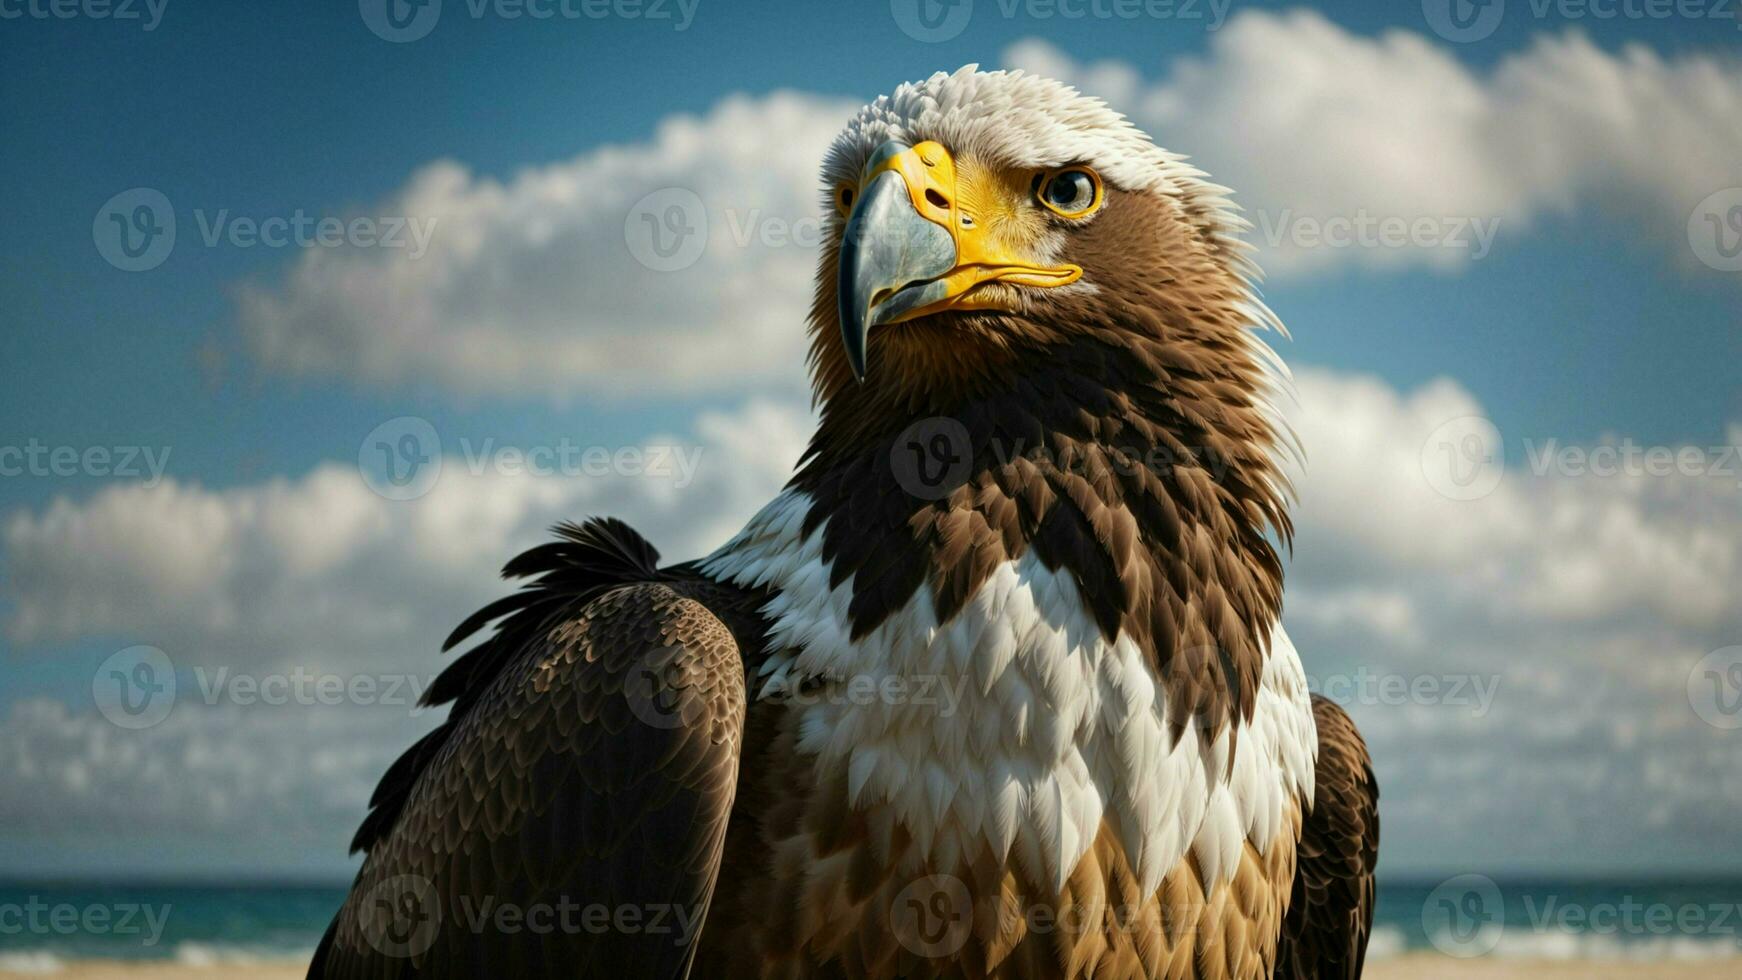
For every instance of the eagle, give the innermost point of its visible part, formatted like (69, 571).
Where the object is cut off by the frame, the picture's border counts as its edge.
(995, 687)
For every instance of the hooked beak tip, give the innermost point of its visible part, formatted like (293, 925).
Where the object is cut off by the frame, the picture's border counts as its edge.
(885, 246)
(855, 334)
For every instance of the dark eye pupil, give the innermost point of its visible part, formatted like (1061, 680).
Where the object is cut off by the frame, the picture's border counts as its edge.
(1070, 191)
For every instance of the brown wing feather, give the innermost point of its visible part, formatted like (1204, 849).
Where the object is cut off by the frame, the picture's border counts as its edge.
(568, 820)
(1330, 915)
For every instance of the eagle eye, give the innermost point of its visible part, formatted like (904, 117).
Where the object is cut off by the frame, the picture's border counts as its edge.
(1071, 193)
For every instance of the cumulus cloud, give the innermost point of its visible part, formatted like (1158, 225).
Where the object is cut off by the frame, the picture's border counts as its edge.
(1552, 540)
(321, 569)
(253, 778)
(1310, 122)
(681, 264)
(1518, 644)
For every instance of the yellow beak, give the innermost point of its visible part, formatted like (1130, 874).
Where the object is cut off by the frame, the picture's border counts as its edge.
(910, 248)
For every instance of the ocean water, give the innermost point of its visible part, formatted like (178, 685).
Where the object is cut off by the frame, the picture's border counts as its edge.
(1470, 915)
(44, 926)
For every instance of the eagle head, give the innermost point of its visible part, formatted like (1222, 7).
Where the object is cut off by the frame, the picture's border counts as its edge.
(984, 218)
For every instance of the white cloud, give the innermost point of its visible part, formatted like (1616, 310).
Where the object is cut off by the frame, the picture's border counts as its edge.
(1388, 614)
(1562, 546)
(1309, 121)
(270, 775)
(531, 286)
(322, 570)
(1582, 602)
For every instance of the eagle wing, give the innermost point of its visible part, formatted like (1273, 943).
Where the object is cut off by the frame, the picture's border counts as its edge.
(568, 819)
(1330, 915)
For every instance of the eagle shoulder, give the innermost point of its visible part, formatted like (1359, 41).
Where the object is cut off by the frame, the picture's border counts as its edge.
(587, 772)
(1330, 913)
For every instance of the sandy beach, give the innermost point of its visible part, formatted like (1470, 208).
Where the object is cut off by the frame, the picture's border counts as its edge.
(1413, 967)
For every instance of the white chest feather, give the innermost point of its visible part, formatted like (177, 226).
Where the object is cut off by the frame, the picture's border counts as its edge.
(1016, 726)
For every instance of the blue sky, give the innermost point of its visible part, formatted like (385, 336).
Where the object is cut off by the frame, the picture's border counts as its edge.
(1592, 318)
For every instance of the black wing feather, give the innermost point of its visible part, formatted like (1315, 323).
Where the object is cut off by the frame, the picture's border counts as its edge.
(1330, 915)
(590, 760)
